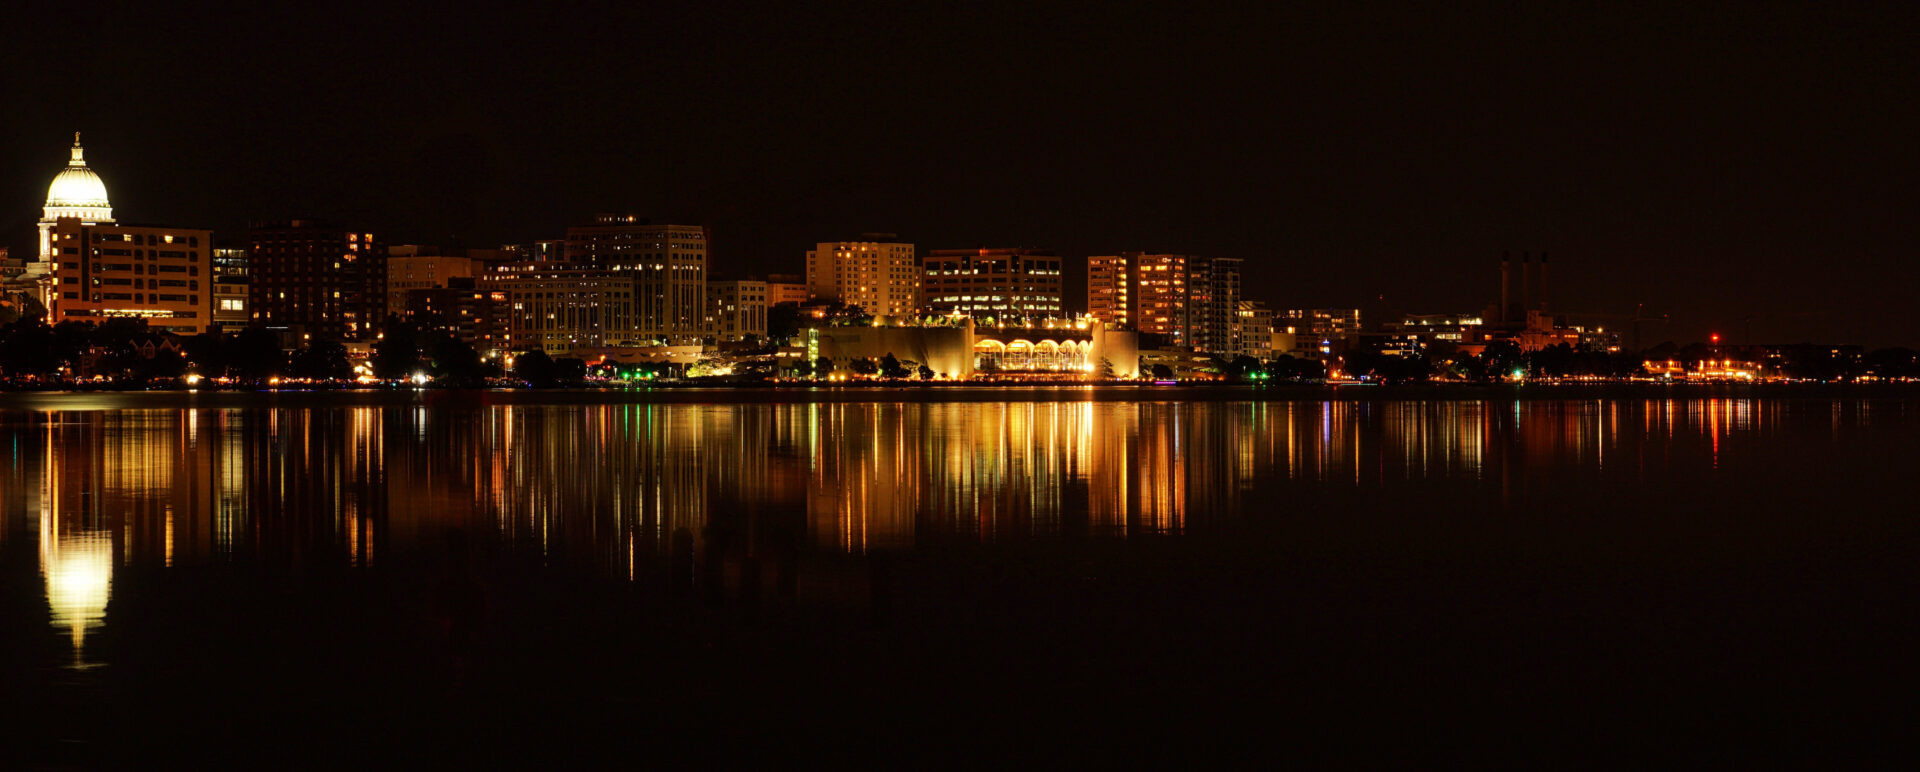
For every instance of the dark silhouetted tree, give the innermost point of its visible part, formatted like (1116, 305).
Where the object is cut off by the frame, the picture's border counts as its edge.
(398, 354)
(166, 363)
(783, 321)
(890, 367)
(321, 360)
(254, 355)
(1502, 358)
(27, 347)
(452, 360)
(536, 368)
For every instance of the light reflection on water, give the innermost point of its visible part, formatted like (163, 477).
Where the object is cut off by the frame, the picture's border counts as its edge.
(604, 487)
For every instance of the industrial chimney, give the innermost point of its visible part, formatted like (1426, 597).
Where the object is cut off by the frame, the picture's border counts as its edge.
(1506, 278)
(1543, 281)
(1526, 284)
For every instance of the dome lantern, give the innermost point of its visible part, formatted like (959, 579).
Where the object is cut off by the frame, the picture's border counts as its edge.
(77, 191)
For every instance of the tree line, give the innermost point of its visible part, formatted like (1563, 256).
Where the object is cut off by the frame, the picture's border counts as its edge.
(124, 351)
(1504, 359)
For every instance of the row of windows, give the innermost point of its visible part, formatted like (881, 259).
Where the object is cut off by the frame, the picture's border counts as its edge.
(145, 239)
(134, 297)
(138, 268)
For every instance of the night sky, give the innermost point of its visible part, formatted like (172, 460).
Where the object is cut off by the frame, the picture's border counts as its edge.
(1715, 162)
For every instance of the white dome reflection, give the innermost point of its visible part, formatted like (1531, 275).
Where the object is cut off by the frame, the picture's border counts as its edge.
(79, 573)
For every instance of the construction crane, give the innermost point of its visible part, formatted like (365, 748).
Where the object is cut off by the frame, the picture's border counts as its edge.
(1640, 317)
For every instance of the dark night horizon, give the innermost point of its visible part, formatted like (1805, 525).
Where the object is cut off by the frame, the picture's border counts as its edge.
(1714, 162)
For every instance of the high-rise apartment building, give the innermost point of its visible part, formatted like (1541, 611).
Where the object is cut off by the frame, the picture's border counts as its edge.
(1214, 296)
(1192, 301)
(1253, 331)
(1146, 292)
(1110, 290)
(316, 279)
(163, 275)
(667, 265)
(1161, 304)
(737, 309)
(1000, 284)
(230, 289)
(877, 272)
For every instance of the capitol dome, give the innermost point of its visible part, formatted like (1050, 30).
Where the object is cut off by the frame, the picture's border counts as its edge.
(78, 192)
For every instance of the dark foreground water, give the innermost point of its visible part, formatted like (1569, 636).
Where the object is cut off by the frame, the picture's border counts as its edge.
(925, 579)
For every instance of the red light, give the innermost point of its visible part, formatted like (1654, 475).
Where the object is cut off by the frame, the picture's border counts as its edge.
(1716, 337)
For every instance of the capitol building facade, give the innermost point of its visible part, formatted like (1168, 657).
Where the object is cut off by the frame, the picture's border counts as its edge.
(91, 268)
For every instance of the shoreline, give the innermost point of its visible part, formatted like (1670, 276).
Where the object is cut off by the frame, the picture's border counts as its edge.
(105, 398)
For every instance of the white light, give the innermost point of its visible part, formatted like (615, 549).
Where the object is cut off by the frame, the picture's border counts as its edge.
(79, 574)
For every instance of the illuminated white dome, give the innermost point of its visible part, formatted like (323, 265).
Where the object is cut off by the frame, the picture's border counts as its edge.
(78, 192)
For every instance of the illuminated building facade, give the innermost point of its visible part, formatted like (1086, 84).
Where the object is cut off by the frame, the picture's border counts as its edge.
(738, 310)
(876, 273)
(1161, 305)
(667, 265)
(1110, 290)
(993, 283)
(77, 192)
(412, 267)
(163, 275)
(316, 279)
(1417, 333)
(1322, 331)
(1213, 294)
(1191, 301)
(1081, 347)
(475, 315)
(546, 251)
(560, 307)
(1252, 331)
(230, 289)
(794, 292)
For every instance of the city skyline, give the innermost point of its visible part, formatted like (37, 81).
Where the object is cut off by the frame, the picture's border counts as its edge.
(600, 244)
(1706, 163)
(988, 385)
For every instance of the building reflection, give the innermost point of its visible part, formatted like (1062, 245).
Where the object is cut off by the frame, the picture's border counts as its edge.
(606, 487)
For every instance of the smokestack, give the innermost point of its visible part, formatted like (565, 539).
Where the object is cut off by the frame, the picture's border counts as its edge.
(1506, 278)
(1543, 281)
(1526, 284)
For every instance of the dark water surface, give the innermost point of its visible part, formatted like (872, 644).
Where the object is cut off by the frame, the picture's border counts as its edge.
(936, 578)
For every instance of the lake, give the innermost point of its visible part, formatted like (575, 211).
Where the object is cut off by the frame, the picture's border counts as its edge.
(1041, 576)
